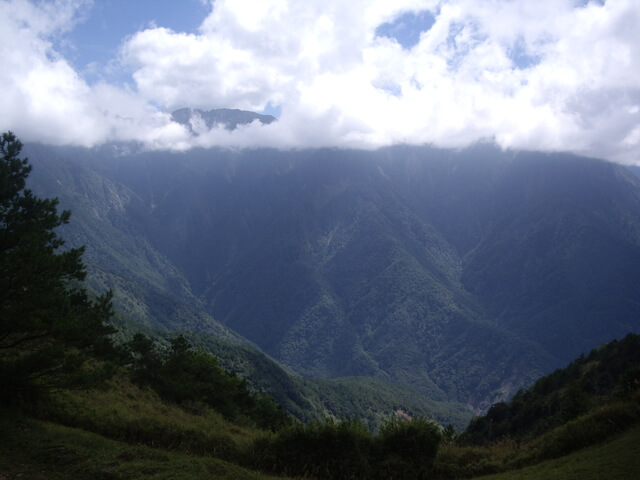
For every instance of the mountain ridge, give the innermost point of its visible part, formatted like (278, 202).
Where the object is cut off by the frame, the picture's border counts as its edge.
(197, 120)
(403, 263)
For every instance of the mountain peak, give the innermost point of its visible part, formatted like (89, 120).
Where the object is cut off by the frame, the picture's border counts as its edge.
(196, 120)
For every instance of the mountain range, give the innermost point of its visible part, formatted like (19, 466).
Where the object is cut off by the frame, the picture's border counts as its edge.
(463, 275)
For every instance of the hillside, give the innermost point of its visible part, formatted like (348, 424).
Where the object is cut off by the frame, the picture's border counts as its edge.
(124, 431)
(461, 275)
(578, 422)
(607, 374)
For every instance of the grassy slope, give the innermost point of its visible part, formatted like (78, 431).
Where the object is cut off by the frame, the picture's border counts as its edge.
(618, 459)
(567, 446)
(37, 450)
(123, 432)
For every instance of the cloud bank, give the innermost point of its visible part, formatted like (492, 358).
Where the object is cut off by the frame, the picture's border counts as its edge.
(544, 75)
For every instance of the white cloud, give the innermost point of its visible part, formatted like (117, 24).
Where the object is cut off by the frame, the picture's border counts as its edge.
(46, 100)
(550, 74)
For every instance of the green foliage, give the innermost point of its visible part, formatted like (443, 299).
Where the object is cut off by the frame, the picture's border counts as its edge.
(41, 449)
(407, 449)
(329, 449)
(600, 425)
(617, 459)
(593, 400)
(153, 438)
(629, 383)
(608, 371)
(189, 377)
(592, 428)
(128, 413)
(574, 402)
(49, 326)
(370, 399)
(121, 433)
(345, 449)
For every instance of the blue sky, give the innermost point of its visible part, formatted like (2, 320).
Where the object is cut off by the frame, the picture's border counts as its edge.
(406, 28)
(105, 24)
(544, 75)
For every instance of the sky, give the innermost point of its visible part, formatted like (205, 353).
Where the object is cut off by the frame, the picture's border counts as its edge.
(549, 75)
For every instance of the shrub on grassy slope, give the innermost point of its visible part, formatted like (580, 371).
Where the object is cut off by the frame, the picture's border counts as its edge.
(407, 449)
(190, 377)
(347, 450)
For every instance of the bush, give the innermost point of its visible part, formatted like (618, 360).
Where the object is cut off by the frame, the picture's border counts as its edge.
(346, 450)
(465, 462)
(329, 449)
(407, 449)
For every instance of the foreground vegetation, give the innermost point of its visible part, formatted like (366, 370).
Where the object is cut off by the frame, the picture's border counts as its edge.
(614, 460)
(601, 425)
(125, 423)
(128, 432)
(38, 449)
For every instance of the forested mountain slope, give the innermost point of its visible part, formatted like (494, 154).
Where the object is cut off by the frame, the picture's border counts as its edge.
(462, 274)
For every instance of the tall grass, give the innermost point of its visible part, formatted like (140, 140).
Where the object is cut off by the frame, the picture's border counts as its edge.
(137, 415)
(40, 450)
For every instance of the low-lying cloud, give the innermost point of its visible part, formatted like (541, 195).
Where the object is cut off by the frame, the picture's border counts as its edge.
(545, 75)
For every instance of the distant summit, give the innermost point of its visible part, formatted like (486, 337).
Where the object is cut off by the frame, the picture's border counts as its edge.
(198, 120)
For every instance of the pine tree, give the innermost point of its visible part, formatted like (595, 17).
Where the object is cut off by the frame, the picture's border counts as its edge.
(48, 324)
